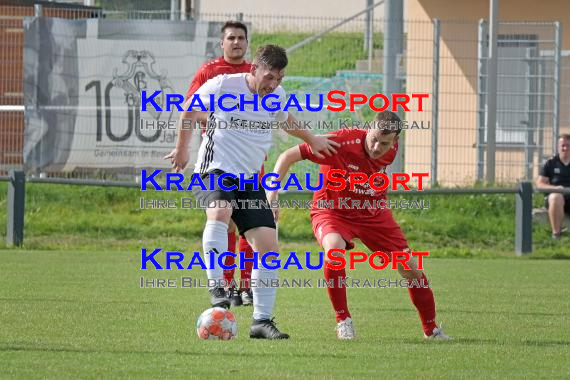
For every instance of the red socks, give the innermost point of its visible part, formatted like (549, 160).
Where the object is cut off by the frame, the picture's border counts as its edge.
(423, 300)
(421, 296)
(243, 247)
(337, 294)
(248, 265)
(229, 273)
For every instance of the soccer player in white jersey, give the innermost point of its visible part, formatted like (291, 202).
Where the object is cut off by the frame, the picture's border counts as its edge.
(242, 151)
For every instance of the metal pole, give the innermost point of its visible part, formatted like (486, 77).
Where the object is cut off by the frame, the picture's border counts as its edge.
(491, 120)
(367, 22)
(174, 10)
(370, 41)
(38, 10)
(556, 108)
(15, 204)
(183, 10)
(435, 101)
(530, 125)
(239, 17)
(523, 230)
(393, 44)
(393, 47)
(481, 98)
(540, 116)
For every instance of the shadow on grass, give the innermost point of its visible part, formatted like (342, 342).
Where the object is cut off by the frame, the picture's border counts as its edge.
(78, 301)
(488, 312)
(7, 347)
(449, 311)
(481, 341)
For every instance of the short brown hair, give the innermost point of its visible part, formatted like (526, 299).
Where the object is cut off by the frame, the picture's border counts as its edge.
(234, 24)
(273, 56)
(389, 122)
(564, 136)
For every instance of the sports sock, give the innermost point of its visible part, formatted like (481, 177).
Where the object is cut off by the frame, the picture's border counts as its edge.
(422, 298)
(337, 294)
(230, 260)
(263, 297)
(214, 242)
(248, 265)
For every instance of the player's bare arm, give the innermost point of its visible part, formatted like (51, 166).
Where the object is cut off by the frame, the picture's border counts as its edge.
(319, 143)
(282, 166)
(543, 182)
(179, 156)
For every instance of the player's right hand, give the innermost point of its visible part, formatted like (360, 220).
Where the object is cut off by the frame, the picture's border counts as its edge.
(324, 144)
(178, 158)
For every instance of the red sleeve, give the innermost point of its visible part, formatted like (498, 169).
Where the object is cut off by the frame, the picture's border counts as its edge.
(307, 153)
(200, 78)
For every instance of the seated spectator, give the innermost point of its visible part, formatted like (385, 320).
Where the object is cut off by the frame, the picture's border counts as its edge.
(555, 174)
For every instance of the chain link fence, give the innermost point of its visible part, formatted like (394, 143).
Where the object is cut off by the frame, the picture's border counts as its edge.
(445, 59)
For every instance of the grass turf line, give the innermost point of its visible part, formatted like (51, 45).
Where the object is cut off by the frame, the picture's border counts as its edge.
(87, 218)
(82, 314)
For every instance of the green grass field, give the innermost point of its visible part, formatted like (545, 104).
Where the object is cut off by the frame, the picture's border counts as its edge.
(71, 305)
(87, 218)
(340, 49)
(68, 314)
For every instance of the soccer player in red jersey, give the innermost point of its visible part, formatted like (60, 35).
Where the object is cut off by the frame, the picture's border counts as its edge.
(234, 44)
(362, 151)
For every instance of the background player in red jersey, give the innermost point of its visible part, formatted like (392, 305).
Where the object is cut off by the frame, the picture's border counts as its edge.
(362, 151)
(234, 44)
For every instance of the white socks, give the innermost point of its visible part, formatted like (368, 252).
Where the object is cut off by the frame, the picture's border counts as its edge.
(214, 242)
(263, 297)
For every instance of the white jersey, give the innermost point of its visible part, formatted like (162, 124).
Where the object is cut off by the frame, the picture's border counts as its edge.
(236, 150)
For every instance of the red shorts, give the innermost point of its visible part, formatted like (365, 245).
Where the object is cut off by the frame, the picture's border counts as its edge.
(378, 233)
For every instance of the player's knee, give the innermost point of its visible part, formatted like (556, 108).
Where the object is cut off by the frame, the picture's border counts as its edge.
(219, 214)
(555, 200)
(411, 272)
(262, 240)
(334, 252)
(333, 241)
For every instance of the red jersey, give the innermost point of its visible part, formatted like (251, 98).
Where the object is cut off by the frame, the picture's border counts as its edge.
(351, 157)
(214, 68)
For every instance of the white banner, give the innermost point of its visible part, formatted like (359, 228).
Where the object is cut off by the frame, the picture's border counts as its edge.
(108, 131)
(83, 83)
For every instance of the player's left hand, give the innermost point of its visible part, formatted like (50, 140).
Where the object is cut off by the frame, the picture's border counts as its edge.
(272, 196)
(178, 158)
(323, 144)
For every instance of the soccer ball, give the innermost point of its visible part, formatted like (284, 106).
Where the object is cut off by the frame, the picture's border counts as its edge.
(216, 323)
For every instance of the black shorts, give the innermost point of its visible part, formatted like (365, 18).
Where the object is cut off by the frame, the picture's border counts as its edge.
(245, 218)
(566, 203)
